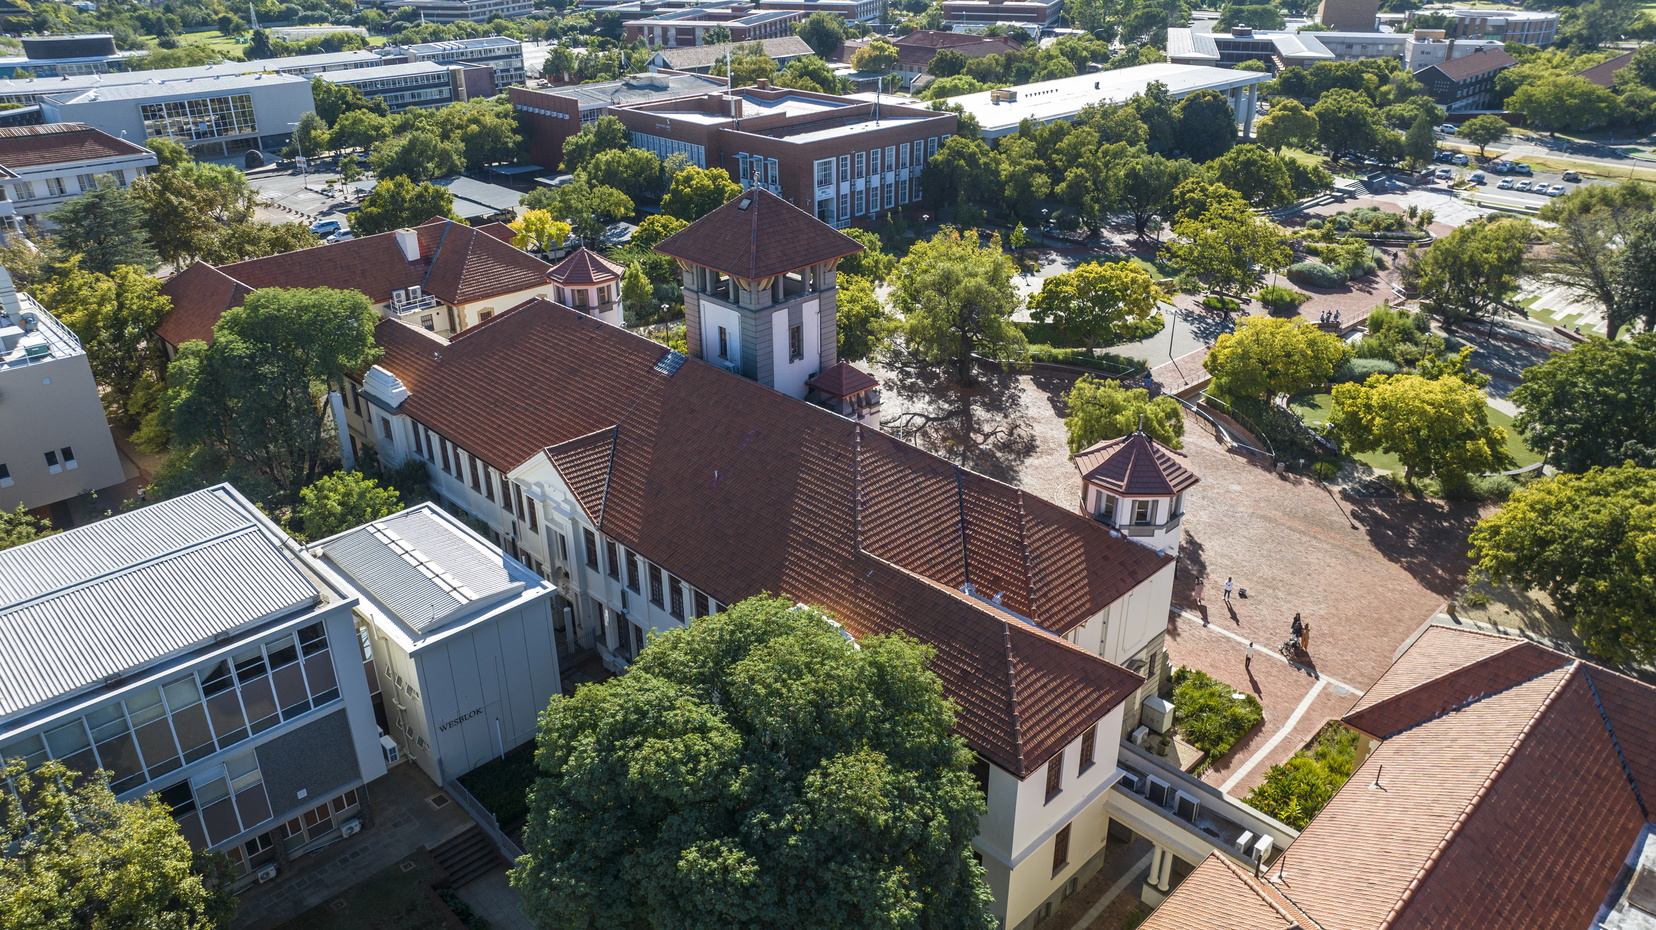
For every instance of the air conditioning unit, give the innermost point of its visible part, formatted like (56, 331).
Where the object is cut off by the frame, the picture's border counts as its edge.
(399, 297)
(1244, 844)
(267, 873)
(392, 752)
(1132, 781)
(1186, 807)
(1262, 848)
(414, 293)
(1159, 792)
(733, 368)
(1156, 714)
(1141, 737)
(350, 827)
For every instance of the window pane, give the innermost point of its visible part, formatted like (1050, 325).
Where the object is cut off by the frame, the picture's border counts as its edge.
(120, 756)
(312, 639)
(319, 671)
(250, 664)
(145, 706)
(182, 693)
(283, 652)
(226, 713)
(67, 740)
(217, 680)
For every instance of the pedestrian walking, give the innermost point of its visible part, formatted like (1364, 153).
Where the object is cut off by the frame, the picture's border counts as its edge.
(1247, 661)
(1230, 584)
(1305, 637)
(1297, 628)
(1199, 582)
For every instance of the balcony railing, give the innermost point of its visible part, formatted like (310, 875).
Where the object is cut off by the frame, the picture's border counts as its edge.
(413, 304)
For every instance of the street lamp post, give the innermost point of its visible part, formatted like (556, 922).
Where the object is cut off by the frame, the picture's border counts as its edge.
(1044, 226)
(304, 174)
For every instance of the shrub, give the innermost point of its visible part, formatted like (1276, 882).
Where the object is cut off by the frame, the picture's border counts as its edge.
(1279, 299)
(1219, 304)
(1316, 274)
(1213, 716)
(1316, 223)
(1360, 369)
(1296, 790)
(502, 785)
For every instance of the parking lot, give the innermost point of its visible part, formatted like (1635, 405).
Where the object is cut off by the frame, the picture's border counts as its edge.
(1512, 187)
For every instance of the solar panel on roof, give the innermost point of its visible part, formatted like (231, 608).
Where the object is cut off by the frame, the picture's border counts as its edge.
(671, 362)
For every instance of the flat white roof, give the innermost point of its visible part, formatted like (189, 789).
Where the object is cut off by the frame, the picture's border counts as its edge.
(1046, 101)
(378, 72)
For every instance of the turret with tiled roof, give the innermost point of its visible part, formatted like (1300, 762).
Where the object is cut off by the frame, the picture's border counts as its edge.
(1137, 485)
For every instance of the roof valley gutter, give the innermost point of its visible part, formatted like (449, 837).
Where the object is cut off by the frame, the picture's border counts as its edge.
(1615, 741)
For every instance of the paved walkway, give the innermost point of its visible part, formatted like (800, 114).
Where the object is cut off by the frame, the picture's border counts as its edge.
(492, 898)
(403, 820)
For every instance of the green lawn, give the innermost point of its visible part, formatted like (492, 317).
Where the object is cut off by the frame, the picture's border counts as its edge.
(1314, 409)
(390, 899)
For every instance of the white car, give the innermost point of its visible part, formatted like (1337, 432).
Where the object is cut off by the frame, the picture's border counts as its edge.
(344, 235)
(1521, 186)
(1505, 185)
(1557, 190)
(1444, 174)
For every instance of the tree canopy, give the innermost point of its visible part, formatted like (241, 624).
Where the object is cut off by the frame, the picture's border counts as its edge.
(1289, 124)
(1592, 234)
(78, 858)
(105, 227)
(19, 526)
(398, 203)
(1589, 542)
(257, 393)
(1268, 356)
(864, 323)
(696, 192)
(1591, 407)
(1224, 244)
(1098, 301)
(1634, 276)
(114, 316)
(1482, 131)
(756, 768)
(418, 156)
(1472, 272)
(1100, 408)
(956, 298)
(341, 501)
(1438, 427)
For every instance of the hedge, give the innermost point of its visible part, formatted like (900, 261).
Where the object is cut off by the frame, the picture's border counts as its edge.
(1296, 790)
(1316, 274)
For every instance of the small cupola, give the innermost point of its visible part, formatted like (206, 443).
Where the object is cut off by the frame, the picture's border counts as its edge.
(1137, 486)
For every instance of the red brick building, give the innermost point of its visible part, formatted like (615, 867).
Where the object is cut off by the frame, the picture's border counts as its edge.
(916, 50)
(836, 158)
(553, 114)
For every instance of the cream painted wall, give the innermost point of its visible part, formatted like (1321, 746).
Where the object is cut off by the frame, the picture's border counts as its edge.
(45, 407)
(1122, 630)
(714, 316)
(791, 375)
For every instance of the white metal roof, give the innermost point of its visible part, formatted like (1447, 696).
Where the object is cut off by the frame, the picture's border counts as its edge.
(1063, 98)
(115, 595)
(424, 569)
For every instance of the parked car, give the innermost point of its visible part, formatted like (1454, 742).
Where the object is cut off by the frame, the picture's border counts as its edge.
(1460, 159)
(1556, 190)
(1522, 186)
(1478, 177)
(344, 235)
(1501, 167)
(1443, 155)
(1505, 185)
(1447, 129)
(1520, 168)
(326, 227)
(1574, 176)
(1444, 174)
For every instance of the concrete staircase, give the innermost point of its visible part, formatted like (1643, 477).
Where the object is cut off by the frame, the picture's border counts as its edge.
(467, 857)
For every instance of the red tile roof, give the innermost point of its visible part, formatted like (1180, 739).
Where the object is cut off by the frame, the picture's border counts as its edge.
(1605, 75)
(457, 264)
(758, 235)
(1134, 466)
(1506, 793)
(1473, 65)
(1438, 650)
(60, 143)
(584, 266)
(741, 490)
(500, 231)
(843, 379)
(1220, 896)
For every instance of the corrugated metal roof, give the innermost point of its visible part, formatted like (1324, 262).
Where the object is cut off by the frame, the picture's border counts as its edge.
(110, 597)
(421, 567)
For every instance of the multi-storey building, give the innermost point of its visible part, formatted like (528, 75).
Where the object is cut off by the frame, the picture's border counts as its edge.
(43, 166)
(1531, 27)
(58, 56)
(1028, 13)
(56, 442)
(1278, 50)
(1001, 111)
(1465, 83)
(442, 276)
(916, 50)
(468, 11)
(837, 158)
(551, 115)
(409, 84)
(700, 59)
(503, 55)
(687, 27)
(229, 680)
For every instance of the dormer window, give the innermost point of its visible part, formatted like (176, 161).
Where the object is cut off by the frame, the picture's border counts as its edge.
(1142, 511)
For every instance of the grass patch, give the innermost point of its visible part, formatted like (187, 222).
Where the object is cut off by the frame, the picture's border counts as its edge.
(1315, 410)
(390, 899)
(502, 785)
(1309, 159)
(1294, 791)
(1211, 715)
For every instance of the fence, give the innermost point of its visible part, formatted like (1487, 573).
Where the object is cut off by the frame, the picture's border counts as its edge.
(484, 819)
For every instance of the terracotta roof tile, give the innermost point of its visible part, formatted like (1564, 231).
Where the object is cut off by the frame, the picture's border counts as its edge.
(843, 379)
(584, 266)
(457, 265)
(743, 490)
(59, 143)
(1134, 466)
(1630, 708)
(500, 231)
(1469, 66)
(730, 239)
(1604, 75)
(1219, 896)
(1458, 688)
(1438, 650)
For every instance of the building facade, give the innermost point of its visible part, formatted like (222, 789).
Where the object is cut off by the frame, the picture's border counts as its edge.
(463, 11)
(58, 56)
(687, 27)
(1465, 83)
(400, 86)
(213, 114)
(1349, 15)
(236, 695)
(504, 56)
(916, 50)
(1531, 27)
(56, 439)
(1028, 13)
(551, 115)
(1138, 486)
(837, 158)
(43, 166)
(463, 644)
(1000, 112)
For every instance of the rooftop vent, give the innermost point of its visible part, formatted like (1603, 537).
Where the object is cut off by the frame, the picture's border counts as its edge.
(746, 202)
(1242, 32)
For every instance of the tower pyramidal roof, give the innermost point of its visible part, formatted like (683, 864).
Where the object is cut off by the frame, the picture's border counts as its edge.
(758, 235)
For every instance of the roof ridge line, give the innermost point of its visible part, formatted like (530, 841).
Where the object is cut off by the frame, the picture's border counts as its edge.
(1012, 696)
(1251, 880)
(856, 489)
(1615, 741)
(125, 570)
(609, 472)
(960, 521)
(432, 264)
(1029, 562)
(1432, 681)
(1478, 797)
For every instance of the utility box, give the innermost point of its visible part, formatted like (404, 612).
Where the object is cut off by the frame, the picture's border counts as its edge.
(1156, 714)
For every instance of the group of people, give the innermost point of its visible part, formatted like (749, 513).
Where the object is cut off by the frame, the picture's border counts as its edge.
(1300, 629)
(1330, 317)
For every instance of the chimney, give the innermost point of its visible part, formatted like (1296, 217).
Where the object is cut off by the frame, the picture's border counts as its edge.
(409, 241)
(761, 83)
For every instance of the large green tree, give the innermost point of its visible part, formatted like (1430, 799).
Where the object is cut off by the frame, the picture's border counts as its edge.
(1147, 183)
(418, 156)
(1592, 407)
(104, 226)
(1098, 301)
(1589, 542)
(184, 209)
(824, 32)
(1472, 272)
(634, 172)
(239, 242)
(1259, 176)
(1100, 408)
(396, 203)
(1269, 356)
(1564, 103)
(756, 769)
(335, 100)
(957, 299)
(342, 501)
(1437, 427)
(607, 134)
(1634, 276)
(1206, 125)
(1483, 131)
(1347, 122)
(258, 393)
(1419, 143)
(77, 859)
(114, 315)
(865, 326)
(1226, 246)
(696, 192)
(589, 208)
(1589, 232)
(1289, 124)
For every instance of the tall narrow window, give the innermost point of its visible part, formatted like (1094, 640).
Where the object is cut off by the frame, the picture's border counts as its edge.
(655, 585)
(724, 342)
(1055, 776)
(632, 571)
(52, 463)
(476, 482)
(796, 342)
(534, 515)
(488, 483)
(675, 597)
(442, 445)
(1060, 849)
(419, 449)
(1089, 742)
(69, 458)
(701, 605)
(612, 560)
(590, 540)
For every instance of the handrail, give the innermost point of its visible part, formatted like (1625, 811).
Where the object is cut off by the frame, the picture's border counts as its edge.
(485, 819)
